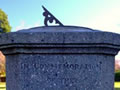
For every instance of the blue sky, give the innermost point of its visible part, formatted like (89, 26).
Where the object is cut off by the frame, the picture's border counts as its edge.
(96, 14)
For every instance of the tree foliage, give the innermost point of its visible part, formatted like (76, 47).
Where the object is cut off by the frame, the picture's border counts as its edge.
(4, 24)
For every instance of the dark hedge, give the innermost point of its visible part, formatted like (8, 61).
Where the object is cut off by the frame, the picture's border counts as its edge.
(117, 76)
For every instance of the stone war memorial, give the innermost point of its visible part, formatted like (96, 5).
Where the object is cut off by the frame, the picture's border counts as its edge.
(60, 58)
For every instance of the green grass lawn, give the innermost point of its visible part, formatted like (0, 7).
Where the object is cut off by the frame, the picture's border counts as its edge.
(2, 86)
(117, 86)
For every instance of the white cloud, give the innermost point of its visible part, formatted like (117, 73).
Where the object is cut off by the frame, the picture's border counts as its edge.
(108, 20)
(117, 57)
(37, 24)
(23, 25)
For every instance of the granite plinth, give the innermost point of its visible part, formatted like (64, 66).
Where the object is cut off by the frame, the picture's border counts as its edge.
(60, 72)
(60, 58)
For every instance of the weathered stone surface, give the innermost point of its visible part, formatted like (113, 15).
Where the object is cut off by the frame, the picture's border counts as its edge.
(60, 58)
(60, 35)
(60, 72)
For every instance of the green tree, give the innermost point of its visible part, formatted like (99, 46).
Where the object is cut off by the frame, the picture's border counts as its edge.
(4, 24)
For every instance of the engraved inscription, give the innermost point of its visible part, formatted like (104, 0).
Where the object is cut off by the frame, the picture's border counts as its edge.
(56, 72)
(66, 65)
(64, 80)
